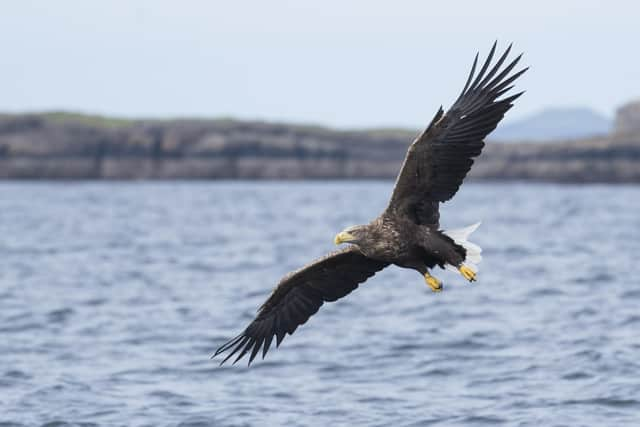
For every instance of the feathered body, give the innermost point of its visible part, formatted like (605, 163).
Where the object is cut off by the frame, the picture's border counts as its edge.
(402, 242)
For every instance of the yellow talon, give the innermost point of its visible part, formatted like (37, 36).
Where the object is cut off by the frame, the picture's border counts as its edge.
(434, 284)
(468, 273)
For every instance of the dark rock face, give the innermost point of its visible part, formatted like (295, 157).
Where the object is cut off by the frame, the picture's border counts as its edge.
(83, 147)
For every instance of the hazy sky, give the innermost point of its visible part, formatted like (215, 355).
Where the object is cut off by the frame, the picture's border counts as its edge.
(335, 62)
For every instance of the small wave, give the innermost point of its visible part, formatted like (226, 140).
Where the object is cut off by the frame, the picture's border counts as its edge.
(379, 400)
(93, 302)
(17, 375)
(165, 394)
(56, 424)
(545, 291)
(631, 320)
(632, 294)
(480, 420)
(198, 422)
(604, 401)
(60, 316)
(578, 375)
(22, 328)
(438, 372)
(589, 354)
(408, 347)
(470, 344)
(584, 312)
(493, 381)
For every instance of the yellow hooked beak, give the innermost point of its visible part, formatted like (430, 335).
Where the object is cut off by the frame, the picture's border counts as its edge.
(343, 237)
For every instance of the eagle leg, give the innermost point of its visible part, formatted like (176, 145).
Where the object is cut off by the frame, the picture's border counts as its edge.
(467, 273)
(434, 284)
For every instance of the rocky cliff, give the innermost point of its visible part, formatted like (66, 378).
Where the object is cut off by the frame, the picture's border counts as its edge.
(628, 119)
(70, 146)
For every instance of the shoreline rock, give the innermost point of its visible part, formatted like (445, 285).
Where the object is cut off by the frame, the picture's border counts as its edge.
(74, 146)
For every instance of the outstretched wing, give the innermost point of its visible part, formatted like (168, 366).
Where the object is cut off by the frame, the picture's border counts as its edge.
(298, 296)
(439, 159)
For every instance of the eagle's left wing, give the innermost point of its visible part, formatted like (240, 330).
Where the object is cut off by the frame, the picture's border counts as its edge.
(439, 159)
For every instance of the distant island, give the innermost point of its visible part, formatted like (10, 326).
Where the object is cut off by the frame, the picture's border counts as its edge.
(553, 124)
(76, 146)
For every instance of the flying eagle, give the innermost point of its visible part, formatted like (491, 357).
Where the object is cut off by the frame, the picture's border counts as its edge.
(407, 233)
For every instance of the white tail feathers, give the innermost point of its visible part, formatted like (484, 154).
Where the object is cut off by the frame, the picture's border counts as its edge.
(474, 251)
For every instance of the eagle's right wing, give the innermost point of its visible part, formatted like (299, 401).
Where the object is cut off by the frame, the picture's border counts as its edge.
(298, 296)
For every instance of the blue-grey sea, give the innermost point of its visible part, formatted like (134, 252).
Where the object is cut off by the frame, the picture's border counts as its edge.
(113, 295)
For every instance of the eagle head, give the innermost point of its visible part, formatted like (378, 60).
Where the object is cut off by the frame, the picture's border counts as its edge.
(355, 234)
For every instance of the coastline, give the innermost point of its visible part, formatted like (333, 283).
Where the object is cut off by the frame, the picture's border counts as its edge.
(75, 146)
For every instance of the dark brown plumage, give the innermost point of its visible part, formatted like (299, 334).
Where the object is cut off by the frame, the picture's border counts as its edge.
(299, 295)
(407, 233)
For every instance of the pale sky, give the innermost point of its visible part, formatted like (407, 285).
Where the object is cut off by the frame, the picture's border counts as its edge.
(360, 63)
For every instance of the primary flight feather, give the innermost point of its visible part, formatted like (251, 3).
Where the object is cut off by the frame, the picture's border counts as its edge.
(407, 233)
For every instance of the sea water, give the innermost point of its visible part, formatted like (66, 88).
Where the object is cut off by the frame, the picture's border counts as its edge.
(113, 295)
